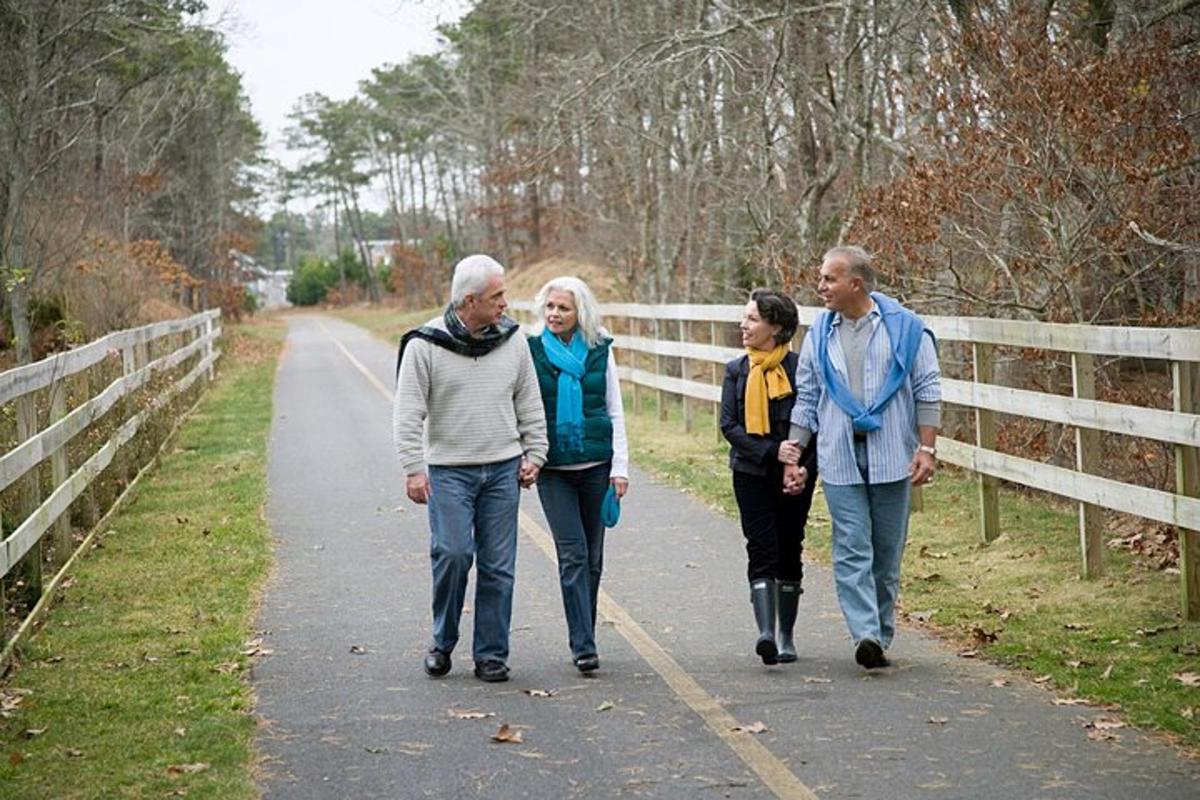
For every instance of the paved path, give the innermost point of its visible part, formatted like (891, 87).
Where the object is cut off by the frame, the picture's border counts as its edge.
(348, 712)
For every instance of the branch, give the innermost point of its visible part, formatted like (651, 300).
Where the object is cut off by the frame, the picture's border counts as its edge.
(1169, 10)
(1150, 238)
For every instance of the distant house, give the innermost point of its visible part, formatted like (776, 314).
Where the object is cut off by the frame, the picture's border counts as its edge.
(380, 251)
(269, 287)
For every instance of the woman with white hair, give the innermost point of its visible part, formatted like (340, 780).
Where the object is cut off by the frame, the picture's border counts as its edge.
(587, 470)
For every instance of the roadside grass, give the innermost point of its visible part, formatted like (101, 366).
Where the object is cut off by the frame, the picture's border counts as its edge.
(135, 686)
(387, 324)
(1115, 641)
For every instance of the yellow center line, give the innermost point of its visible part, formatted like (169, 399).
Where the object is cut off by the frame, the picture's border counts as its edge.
(773, 772)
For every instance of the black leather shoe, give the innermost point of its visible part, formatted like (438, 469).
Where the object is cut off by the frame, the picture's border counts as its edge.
(491, 671)
(869, 654)
(587, 663)
(437, 663)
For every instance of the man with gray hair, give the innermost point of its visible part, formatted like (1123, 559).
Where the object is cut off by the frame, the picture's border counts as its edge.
(868, 380)
(470, 430)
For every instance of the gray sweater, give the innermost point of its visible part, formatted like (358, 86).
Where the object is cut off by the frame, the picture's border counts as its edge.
(452, 409)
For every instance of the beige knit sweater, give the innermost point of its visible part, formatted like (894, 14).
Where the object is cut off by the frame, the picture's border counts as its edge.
(451, 409)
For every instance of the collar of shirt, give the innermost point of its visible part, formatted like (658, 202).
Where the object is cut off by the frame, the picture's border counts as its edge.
(872, 315)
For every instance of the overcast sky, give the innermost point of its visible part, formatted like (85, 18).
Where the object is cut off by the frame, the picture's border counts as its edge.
(287, 48)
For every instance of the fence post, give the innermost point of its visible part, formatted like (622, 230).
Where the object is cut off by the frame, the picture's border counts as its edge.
(635, 326)
(983, 357)
(1186, 379)
(59, 471)
(1087, 459)
(718, 379)
(208, 346)
(662, 406)
(29, 498)
(685, 373)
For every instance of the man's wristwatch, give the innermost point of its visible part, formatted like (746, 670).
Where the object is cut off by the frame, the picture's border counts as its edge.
(928, 449)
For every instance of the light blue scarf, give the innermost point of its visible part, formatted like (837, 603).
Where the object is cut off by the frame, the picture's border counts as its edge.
(904, 329)
(570, 359)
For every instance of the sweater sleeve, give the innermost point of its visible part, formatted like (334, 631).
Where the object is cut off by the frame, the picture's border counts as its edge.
(531, 415)
(616, 413)
(410, 407)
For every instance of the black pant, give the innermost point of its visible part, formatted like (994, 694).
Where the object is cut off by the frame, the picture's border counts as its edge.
(773, 523)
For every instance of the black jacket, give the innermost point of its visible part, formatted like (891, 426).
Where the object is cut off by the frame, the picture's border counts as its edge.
(754, 453)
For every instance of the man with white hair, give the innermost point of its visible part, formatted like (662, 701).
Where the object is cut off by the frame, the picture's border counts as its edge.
(470, 430)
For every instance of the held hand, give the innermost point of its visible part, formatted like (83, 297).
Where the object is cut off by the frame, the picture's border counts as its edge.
(620, 486)
(789, 452)
(922, 468)
(527, 475)
(418, 489)
(794, 479)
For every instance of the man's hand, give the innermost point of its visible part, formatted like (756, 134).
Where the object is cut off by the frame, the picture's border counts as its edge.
(789, 452)
(922, 468)
(527, 475)
(418, 489)
(620, 486)
(794, 479)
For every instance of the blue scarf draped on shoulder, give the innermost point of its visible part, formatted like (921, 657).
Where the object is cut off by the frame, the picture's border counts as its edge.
(571, 361)
(904, 329)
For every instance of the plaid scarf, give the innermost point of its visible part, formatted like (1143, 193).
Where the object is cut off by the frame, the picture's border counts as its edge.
(458, 339)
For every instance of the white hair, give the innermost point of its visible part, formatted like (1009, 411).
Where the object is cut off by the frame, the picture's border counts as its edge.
(587, 310)
(471, 276)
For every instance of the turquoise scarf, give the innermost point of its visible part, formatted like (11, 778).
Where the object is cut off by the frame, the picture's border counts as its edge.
(570, 359)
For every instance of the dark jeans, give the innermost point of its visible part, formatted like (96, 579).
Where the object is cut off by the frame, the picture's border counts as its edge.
(571, 500)
(773, 523)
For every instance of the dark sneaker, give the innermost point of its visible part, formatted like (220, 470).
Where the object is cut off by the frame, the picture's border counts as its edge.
(869, 654)
(587, 663)
(491, 671)
(437, 663)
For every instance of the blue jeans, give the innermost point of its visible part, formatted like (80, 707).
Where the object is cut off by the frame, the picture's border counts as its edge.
(572, 500)
(870, 527)
(473, 517)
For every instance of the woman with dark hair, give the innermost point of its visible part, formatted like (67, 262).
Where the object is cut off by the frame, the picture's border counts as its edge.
(756, 406)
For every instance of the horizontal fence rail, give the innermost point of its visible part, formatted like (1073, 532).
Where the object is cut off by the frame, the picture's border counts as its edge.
(673, 325)
(37, 392)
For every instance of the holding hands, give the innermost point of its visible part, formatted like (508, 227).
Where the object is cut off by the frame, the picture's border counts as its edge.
(527, 475)
(789, 452)
(794, 479)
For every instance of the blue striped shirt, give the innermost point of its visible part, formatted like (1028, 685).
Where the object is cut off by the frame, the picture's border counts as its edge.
(890, 448)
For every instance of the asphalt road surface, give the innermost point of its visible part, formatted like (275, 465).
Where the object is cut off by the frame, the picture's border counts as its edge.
(347, 711)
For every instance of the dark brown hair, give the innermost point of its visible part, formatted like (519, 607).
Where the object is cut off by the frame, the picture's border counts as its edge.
(776, 308)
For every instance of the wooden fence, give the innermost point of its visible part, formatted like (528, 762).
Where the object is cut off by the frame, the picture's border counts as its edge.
(650, 335)
(48, 406)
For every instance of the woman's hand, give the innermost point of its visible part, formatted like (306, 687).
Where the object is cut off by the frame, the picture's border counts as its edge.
(789, 452)
(620, 486)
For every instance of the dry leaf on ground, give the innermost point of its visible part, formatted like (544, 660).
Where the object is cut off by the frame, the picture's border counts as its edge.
(541, 692)
(1187, 678)
(457, 714)
(606, 705)
(175, 770)
(938, 720)
(753, 727)
(507, 735)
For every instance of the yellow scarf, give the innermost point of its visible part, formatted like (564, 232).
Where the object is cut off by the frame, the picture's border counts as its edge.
(767, 380)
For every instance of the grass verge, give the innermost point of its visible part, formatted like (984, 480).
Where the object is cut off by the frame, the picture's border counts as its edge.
(135, 686)
(1117, 641)
(387, 324)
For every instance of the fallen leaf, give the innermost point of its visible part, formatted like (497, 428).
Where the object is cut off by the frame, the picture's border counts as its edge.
(175, 770)
(71, 752)
(925, 552)
(180, 732)
(1078, 664)
(1043, 679)
(923, 616)
(1107, 673)
(1158, 630)
(29, 733)
(470, 714)
(507, 735)
(1102, 736)
(1077, 626)
(968, 653)
(375, 749)
(16, 758)
(1187, 678)
(227, 667)
(1188, 713)
(541, 692)
(983, 636)
(808, 679)
(1105, 724)
(1069, 701)
(999, 683)
(753, 727)
(358, 650)
(938, 720)
(690, 565)
(606, 705)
